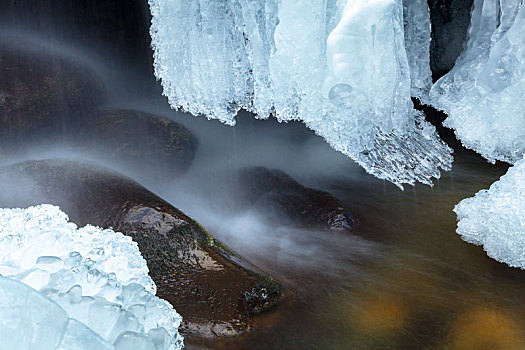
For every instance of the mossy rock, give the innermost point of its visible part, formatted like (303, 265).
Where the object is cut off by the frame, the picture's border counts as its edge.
(207, 283)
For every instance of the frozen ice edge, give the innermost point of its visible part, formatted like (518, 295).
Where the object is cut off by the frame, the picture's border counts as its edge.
(92, 283)
(495, 218)
(214, 60)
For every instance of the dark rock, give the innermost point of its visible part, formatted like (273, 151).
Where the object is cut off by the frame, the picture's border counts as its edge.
(450, 21)
(48, 99)
(39, 93)
(119, 28)
(207, 283)
(284, 200)
(161, 146)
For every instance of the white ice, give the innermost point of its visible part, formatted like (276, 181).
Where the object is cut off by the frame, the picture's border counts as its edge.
(64, 287)
(483, 94)
(346, 68)
(495, 218)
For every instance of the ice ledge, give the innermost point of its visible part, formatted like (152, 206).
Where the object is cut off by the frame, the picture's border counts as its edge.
(495, 218)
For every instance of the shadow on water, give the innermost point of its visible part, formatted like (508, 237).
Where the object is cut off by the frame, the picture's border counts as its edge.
(403, 279)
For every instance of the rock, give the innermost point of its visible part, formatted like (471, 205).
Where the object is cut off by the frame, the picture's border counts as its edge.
(118, 28)
(450, 21)
(124, 137)
(39, 93)
(207, 283)
(47, 99)
(284, 200)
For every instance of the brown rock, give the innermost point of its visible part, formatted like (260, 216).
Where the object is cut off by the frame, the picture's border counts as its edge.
(207, 283)
(160, 146)
(40, 93)
(283, 200)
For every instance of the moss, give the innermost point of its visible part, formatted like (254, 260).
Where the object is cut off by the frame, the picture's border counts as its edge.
(214, 243)
(271, 284)
(265, 294)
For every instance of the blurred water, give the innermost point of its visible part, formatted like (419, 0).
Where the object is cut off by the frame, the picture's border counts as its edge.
(402, 279)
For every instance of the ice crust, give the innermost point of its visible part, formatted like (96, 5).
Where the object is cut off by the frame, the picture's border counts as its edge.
(495, 218)
(483, 94)
(63, 287)
(346, 68)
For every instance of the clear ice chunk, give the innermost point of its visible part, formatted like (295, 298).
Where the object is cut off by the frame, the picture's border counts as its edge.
(133, 341)
(65, 287)
(79, 337)
(483, 94)
(495, 218)
(417, 43)
(28, 319)
(346, 68)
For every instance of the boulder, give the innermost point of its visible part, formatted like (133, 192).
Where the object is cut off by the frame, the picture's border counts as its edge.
(214, 289)
(283, 200)
(160, 146)
(118, 28)
(40, 92)
(48, 98)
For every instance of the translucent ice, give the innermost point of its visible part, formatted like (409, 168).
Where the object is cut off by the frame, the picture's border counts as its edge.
(484, 93)
(28, 319)
(417, 42)
(495, 218)
(65, 287)
(343, 67)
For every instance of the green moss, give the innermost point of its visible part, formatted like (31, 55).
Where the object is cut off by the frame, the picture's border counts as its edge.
(269, 283)
(214, 243)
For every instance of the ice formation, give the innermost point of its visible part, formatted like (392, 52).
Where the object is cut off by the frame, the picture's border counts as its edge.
(346, 68)
(63, 287)
(483, 94)
(495, 218)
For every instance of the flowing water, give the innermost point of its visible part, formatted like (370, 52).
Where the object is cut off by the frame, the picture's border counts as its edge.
(402, 279)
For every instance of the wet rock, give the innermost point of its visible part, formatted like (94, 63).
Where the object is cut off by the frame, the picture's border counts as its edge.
(49, 98)
(283, 200)
(213, 288)
(40, 92)
(162, 147)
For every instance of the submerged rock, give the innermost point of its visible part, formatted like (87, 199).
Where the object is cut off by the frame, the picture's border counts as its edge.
(285, 201)
(40, 93)
(125, 137)
(48, 99)
(214, 290)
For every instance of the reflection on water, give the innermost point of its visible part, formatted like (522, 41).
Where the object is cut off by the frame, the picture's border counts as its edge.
(481, 327)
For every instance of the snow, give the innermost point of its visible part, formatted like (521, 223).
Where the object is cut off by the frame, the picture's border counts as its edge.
(63, 287)
(495, 218)
(483, 93)
(346, 68)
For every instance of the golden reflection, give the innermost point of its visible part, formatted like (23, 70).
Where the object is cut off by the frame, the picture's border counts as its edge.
(378, 314)
(485, 328)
